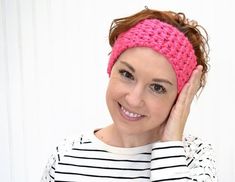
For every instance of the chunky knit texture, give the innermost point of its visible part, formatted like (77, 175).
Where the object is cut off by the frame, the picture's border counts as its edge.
(164, 39)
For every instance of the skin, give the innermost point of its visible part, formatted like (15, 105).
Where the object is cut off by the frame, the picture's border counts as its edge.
(143, 82)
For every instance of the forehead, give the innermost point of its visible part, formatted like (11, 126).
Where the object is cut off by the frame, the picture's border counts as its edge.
(148, 62)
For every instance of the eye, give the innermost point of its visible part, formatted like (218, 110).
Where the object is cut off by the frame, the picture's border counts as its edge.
(126, 74)
(157, 88)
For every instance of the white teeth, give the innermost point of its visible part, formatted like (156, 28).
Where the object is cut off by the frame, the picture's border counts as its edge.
(130, 114)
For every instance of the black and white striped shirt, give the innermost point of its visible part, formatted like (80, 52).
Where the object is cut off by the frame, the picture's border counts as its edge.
(87, 159)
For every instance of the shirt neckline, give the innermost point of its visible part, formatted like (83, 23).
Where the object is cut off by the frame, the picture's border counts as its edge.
(145, 149)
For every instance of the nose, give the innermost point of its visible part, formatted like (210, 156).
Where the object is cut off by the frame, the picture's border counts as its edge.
(134, 97)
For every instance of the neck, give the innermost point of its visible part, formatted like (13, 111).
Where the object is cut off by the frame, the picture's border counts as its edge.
(112, 136)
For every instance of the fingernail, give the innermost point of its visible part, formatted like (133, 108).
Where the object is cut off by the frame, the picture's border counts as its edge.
(200, 67)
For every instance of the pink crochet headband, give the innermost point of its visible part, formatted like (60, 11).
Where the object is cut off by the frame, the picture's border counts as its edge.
(163, 38)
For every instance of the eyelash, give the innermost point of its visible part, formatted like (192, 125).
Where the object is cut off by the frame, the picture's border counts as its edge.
(161, 91)
(127, 75)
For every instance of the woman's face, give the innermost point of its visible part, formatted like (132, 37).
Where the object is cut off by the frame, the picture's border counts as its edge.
(141, 91)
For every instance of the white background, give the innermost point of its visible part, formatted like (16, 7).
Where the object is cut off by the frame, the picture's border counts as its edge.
(53, 59)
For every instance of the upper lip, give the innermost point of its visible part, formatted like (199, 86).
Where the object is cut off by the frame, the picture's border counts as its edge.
(129, 110)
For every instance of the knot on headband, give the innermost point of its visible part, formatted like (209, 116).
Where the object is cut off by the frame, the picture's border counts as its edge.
(164, 39)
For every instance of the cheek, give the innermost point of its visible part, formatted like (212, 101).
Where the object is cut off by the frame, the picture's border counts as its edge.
(108, 93)
(114, 90)
(160, 109)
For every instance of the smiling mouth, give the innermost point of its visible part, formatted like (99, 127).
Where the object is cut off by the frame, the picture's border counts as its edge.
(131, 116)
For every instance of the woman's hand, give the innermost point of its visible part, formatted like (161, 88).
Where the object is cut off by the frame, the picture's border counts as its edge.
(173, 128)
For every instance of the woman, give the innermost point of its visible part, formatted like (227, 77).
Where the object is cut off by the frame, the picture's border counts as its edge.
(157, 65)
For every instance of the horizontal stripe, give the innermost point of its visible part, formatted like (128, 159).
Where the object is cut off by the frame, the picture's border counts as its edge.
(99, 176)
(96, 150)
(146, 153)
(171, 179)
(65, 181)
(166, 167)
(167, 157)
(86, 142)
(90, 150)
(167, 147)
(109, 168)
(105, 159)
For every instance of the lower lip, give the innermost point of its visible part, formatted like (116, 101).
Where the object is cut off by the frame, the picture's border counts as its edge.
(128, 117)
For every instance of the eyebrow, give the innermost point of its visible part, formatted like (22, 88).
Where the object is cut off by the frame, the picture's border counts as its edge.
(154, 79)
(162, 80)
(128, 65)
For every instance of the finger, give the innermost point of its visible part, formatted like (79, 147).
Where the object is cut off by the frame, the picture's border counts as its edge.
(194, 83)
(181, 104)
(183, 94)
(195, 78)
(184, 100)
(188, 92)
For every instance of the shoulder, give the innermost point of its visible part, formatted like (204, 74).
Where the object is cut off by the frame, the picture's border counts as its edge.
(68, 143)
(64, 147)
